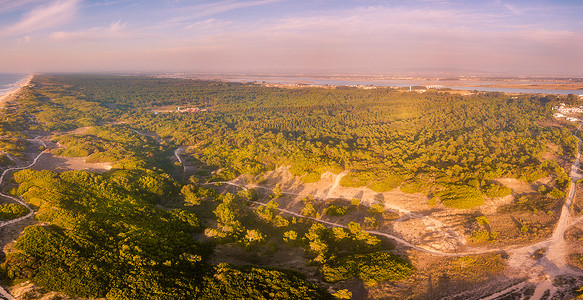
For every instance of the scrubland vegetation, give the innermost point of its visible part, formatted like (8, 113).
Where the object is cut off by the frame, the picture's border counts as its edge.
(137, 232)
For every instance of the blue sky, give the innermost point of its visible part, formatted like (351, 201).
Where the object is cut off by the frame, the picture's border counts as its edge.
(366, 36)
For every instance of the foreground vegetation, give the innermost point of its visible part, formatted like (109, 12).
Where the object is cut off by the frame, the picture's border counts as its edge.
(107, 238)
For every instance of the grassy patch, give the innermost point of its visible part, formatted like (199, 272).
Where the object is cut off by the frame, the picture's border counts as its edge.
(372, 268)
(461, 196)
(386, 184)
(413, 186)
(496, 190)
(357, 179)
(530, 203)
(311, 177)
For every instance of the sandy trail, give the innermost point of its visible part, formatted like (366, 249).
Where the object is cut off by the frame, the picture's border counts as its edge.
(3, 292)
(336, 184)
(373, 232)
(554, 261)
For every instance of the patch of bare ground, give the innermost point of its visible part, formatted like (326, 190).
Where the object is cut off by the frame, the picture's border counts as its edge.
(53, 162)
(527, 224)
(558, 154)
(80, 130)
(406, 215)
(442, 277)
(29, 291)
(410, 216)
(521, 228)
(413, 218)
(521, 187)
(8, 234)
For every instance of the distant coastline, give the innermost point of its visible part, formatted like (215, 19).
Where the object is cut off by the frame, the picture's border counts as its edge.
(19, 85)
(511, 85)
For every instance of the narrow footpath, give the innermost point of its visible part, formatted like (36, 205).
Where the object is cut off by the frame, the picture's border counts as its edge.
(3, 293)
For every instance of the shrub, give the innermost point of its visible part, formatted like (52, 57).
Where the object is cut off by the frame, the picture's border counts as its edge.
(290, 235)
(386, 184)
(343, 294)
(483, 236)
(556, 193)
(461, 196)
(376, 209)
(12, 211)
(372, 268)
(414, 186)
(483, 220)
(336, 210)
(496, 190)
(311, 177)
(250, 282)
(309, 210)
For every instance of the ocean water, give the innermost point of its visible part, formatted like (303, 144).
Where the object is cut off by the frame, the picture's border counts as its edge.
(9, 81)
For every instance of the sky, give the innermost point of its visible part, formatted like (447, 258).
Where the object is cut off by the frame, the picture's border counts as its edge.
(499, 37)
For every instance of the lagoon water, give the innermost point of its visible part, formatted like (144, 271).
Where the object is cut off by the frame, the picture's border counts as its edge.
(404, 83)
(9, 81)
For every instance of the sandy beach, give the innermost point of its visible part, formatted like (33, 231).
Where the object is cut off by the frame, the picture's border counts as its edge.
(4, 98)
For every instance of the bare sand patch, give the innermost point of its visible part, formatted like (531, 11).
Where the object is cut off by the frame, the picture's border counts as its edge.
(435, 227)
(56, 163)
(80, 130)
(327, 189)
(520, 187)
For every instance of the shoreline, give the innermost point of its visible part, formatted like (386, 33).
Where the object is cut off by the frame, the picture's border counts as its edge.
(19, 85)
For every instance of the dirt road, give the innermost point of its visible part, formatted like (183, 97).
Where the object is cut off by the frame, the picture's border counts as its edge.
(3, 293)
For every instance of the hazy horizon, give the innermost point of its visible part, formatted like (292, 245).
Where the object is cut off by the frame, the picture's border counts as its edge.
(534, 38)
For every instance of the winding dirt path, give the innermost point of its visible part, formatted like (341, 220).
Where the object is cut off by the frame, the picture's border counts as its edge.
(18, 200)
(336, 184)
(3, 293)
(554, 260)
(373, 232)
(552, 264)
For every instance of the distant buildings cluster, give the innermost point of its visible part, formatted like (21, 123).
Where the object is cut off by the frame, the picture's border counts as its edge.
(562, 111)
(190, 110)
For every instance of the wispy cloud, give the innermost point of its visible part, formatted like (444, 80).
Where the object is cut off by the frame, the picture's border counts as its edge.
(54, 14)
(185, 15)
(204, 10)
(115, 30)
(10, 5)
(211, 25)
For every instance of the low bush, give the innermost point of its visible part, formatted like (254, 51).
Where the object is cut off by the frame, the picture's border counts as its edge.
(496, 190)
(372, 268)
(12, 211)
(461, 196)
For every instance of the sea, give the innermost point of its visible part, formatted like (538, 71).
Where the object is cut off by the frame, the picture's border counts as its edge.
(9, 81)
